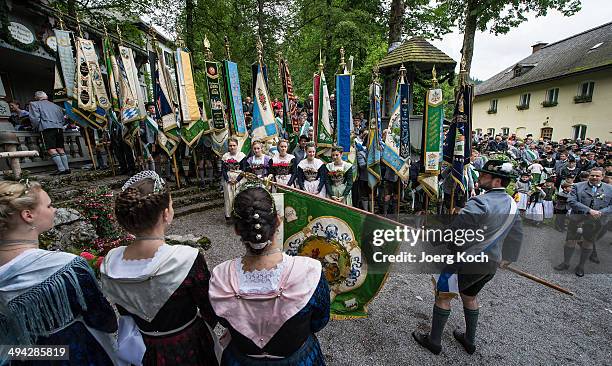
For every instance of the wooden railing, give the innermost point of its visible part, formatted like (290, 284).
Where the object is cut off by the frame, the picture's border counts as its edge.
(74, 145)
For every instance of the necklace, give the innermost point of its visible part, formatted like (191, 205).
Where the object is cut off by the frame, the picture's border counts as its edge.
(264, 253)
(18, 241)
(149, 238)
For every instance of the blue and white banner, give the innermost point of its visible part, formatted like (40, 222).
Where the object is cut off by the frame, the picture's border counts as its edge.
(264, 125)
(393, 140)
(235, 98)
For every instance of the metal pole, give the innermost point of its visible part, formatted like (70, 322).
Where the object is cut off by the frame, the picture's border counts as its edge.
(399, 197)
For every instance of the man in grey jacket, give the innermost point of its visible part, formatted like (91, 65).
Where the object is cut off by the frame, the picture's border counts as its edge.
(591, 204)
(493, 214)
(48, 119)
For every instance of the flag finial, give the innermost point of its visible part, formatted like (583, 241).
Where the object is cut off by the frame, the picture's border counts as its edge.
(342, 63)
(375, 73)
(207, 51)
(320, 59)
(119, 34)
(227, 48)
(259, 50)
(434, 80)
(59, 17)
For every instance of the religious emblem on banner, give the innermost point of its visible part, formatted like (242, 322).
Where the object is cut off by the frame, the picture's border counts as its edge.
(262, 99)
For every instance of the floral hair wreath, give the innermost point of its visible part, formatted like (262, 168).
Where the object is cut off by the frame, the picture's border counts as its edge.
(158, 184)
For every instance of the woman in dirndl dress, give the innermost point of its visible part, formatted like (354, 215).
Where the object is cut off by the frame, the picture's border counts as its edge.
(311, 172)
(282, 166)
(258, 164)
(231, 168)
(339, 180)
(522, 189)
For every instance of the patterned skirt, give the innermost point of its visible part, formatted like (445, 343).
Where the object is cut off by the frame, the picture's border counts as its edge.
(192, 346)
(310, 354)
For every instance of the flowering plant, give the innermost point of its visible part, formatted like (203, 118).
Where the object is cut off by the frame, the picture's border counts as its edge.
(93, 260)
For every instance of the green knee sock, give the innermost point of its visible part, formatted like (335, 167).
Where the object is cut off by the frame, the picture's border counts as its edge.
(471, 322)
(438, 321)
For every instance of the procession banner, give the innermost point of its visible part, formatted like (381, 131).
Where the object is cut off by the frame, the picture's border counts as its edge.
(213, 82)
(66, 60)
(431, 144)
(232, 82)
(322, 108)
(130, 99)
(340, 237)
(457, 147)
(291, 121)
(263, 126)
(394, 142)
(344, 123)
(164, 95)
(112, 70)
(374, 140)
(99, 96)
(85, 119)
(84, 88)
(189, 104)
(191, 133)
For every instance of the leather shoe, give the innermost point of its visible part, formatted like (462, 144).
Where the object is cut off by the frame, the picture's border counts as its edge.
(460, 337)
(57, 172)
(594, 258)
(423, 340)
(561, 267)
(65, 172)
(579, 271)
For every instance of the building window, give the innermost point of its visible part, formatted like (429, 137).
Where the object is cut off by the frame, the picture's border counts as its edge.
(505, 131)
(478, 131)
(579, 131)
(552, 97)
(491, 131)
(585, 92)
(492, 106)
(524, 101)
(546, 133)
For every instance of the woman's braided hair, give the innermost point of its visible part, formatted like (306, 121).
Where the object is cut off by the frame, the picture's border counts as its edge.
(255, 216)
(138, 207)
(14, 198)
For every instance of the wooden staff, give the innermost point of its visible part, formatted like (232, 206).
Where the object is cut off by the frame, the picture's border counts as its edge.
(176, 172)
(538, 280)
(110, 158)
(372, 195)
(195, 164)
(399, 198)
(91, 153)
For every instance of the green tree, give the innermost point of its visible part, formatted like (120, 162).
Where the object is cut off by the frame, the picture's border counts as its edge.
(498, 16)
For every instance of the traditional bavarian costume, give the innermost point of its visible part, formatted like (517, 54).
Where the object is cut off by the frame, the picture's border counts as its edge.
(272, 315)
(260, 166)
(311, 176)
(339, 181)
(231, 168)
(283, 168)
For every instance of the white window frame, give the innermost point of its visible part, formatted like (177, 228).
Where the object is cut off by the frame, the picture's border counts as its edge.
(493, 106)
(491, 131)
(579, 131)
(505, 131)
(555, 95)
(524, 99)
(590, 88)
(542, 132)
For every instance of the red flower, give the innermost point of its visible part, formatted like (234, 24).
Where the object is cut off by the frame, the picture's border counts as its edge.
(88, 256)
(99, 262)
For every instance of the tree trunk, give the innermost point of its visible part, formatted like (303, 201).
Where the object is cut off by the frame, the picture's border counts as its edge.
(189, 25)
(396, 21)
(471, 19)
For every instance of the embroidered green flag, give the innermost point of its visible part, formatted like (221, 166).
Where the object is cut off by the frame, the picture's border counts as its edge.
(341, 237)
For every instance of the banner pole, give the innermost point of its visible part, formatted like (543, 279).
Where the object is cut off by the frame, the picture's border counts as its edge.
(176, 173)
(399, 197)
(91, 152)
(372, 194)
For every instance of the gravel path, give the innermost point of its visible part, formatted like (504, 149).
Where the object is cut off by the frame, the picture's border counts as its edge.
(521, 322)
